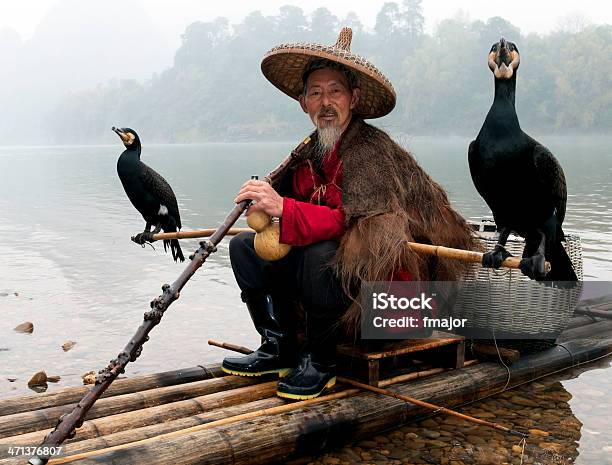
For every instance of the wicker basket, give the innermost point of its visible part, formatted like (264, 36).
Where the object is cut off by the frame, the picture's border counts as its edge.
(505, 304)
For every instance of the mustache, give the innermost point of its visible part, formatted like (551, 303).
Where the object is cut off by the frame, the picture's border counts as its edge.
(327, 111)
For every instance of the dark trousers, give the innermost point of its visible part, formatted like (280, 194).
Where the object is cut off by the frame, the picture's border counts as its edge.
(304, 275)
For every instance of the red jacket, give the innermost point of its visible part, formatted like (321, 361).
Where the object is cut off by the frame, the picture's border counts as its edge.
(315, 213)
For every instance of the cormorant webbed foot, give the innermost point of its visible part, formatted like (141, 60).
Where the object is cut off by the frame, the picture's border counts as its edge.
(534, 267)
(143, 237)
(495, 257)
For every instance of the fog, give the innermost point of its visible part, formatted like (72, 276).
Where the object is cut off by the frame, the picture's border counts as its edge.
(54, 52)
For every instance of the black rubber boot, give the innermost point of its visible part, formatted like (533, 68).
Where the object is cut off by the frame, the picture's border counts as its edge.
(276, 352)
(307, 380)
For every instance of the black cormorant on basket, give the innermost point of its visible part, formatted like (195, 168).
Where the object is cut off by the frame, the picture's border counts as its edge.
(520, 179)
(149, 193)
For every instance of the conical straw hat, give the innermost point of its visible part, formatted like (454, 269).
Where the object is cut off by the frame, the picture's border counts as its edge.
(284, 66)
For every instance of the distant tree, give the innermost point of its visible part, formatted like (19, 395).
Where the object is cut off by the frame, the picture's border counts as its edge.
(495, 28)
(215, 90)
(584, 81)
(324, 26)
(199, 42)
(414, 21)
(388, 20)
(292, 23)
(446, 86)
(352, 20)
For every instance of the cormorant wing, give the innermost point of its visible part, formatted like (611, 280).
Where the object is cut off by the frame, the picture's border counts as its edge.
(550, 173)
(472, 160)
(159, 187)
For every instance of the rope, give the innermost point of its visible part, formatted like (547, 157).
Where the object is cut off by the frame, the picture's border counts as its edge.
(494, 337)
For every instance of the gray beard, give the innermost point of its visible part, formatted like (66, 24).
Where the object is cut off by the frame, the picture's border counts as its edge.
(327, 138)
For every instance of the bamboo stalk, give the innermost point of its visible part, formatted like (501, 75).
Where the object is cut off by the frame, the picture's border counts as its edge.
(105, 426)
(464, 255)
(134, 436)
(89, 440)
(230, 346)
(71, 395)
(577, 321)
(435, 408)
(196, 234)
(19, 423)
(594, 312)
(386, 392)
(281, 409)
(124, 437)
(420, 374)
(595, 329)
(428, 249)
(274, 439)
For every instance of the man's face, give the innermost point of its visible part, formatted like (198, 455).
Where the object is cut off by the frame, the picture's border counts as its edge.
(328, 100)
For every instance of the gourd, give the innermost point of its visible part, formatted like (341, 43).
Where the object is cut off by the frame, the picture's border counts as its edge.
(267, 236)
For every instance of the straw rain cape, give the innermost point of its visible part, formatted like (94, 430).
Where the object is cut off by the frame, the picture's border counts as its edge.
(388, 200)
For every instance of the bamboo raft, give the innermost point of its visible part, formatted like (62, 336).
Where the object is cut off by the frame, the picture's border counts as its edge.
(200, 415)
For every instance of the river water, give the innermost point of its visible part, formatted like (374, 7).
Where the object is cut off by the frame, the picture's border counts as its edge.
(69, 267)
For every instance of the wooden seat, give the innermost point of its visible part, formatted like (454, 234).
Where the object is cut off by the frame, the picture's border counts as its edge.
(441, 349)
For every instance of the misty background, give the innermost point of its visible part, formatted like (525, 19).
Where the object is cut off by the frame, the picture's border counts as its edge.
(87, 66)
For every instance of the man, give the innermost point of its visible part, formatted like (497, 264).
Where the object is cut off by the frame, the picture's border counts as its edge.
(348, 204)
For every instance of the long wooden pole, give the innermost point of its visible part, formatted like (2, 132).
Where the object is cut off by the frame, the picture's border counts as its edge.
(463, 255)
(428, 249)
(67, 424)
(386, 392)
(70, 395)
(196, 233)
(278, 410)
(427, 405)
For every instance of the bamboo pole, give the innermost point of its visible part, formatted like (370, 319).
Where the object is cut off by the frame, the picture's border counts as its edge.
(420, 374)
(428, 249)
(102, 433)
(577, 321)
(19, 423)
(71, 395)
(279, 410)
(135, 435)
(127, 436)
(594, 313)
(196, 234)
(386, 392)
(264, 441)
(105, 426)
(273, 439)
(427, 405)
(469, 256)
(595, 329)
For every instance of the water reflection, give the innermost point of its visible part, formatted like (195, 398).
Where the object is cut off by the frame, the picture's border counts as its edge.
(65, 225)
(565, 416)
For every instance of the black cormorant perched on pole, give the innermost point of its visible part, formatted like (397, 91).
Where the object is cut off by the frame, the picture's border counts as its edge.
(149, 192)
(521, 181)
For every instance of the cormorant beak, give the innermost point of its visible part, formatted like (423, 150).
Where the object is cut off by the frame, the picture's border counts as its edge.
(503, 61)
(126, 137)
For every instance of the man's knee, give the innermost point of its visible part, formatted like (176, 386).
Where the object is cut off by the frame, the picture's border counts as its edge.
(319, 286)
(240, 245)
(320, 254)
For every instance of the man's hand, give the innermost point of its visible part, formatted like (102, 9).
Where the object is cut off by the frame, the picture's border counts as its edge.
(266, 197)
